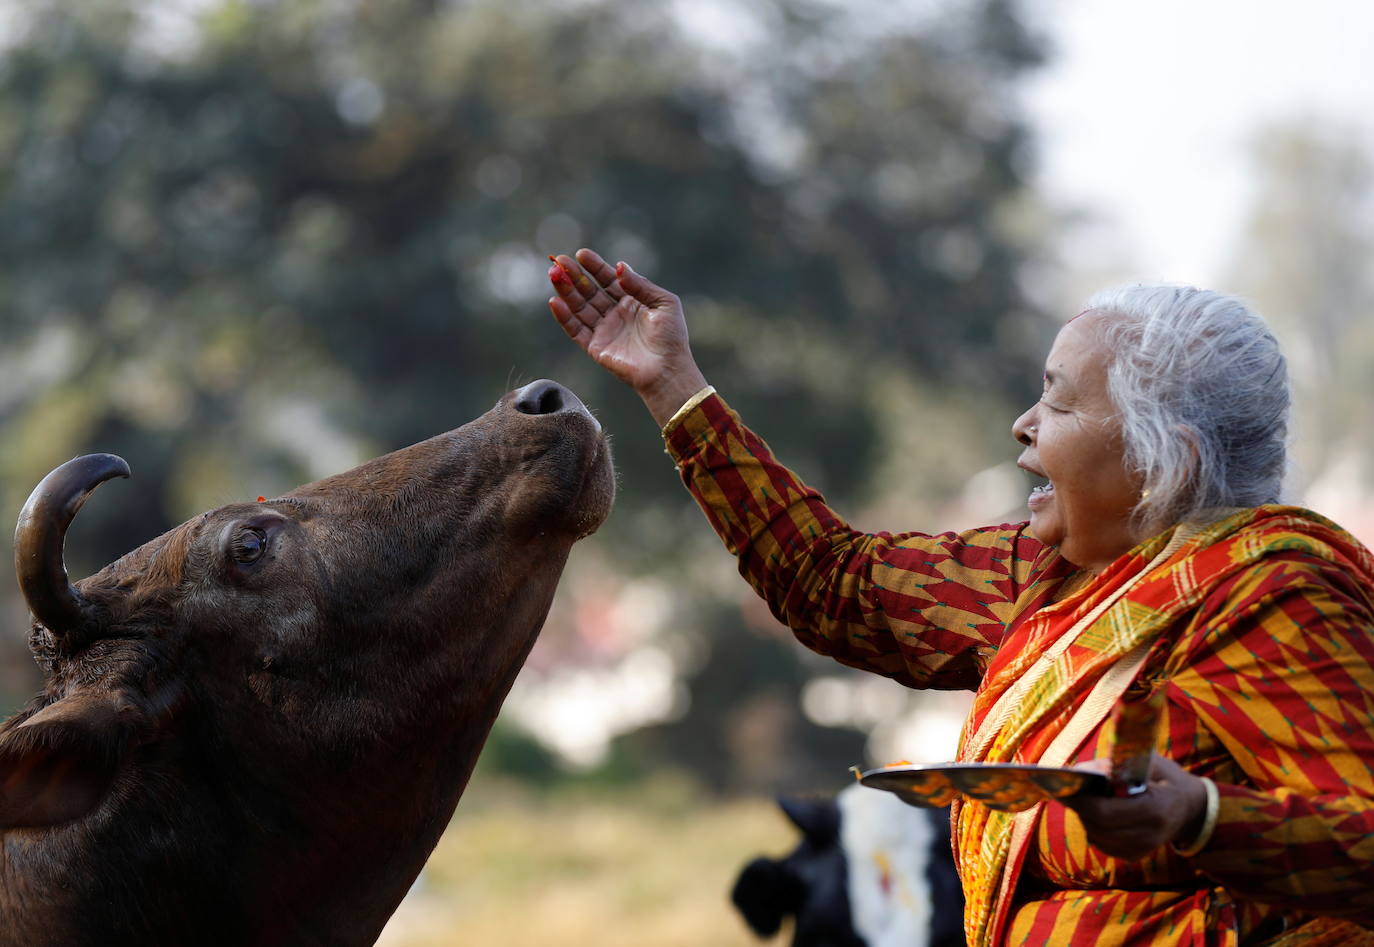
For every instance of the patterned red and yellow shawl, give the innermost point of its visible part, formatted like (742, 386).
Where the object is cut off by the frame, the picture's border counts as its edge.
(1059, 662)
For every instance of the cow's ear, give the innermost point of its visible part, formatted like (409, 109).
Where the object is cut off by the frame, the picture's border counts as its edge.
(818, 818)
(57, 764)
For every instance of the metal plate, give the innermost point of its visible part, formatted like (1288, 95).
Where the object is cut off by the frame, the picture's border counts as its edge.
(1009, 787)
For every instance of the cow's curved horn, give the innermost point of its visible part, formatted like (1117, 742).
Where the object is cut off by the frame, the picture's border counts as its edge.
(39, 537)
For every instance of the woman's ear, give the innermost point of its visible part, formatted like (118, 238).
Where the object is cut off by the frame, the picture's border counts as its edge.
(1192, 439)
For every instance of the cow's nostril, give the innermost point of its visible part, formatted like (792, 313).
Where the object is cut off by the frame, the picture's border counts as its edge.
(550, 400)
(541, 397)
(544, 397)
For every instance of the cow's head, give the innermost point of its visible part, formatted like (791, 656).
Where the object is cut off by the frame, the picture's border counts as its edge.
(311, 645)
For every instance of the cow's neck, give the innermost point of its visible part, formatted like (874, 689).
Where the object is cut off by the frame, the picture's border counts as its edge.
(340, 887)
(398, 802)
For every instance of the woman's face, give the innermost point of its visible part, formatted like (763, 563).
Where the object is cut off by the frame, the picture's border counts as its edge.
(1073, 439)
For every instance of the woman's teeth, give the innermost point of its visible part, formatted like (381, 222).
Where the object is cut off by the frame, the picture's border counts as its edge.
(1043, 490)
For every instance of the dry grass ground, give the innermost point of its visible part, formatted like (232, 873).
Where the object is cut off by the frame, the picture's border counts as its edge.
(617, 868)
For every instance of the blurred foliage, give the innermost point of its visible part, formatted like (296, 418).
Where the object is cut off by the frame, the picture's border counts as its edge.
(247, 244)
(741, 732)
(1305, 262)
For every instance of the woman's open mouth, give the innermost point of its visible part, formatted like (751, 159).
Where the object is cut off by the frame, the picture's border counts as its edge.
(1041, 496)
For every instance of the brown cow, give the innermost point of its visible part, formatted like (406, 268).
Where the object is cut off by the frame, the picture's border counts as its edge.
(256, 726)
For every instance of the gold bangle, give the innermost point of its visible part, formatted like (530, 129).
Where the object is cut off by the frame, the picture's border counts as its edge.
(1209, 822)
(682, 412)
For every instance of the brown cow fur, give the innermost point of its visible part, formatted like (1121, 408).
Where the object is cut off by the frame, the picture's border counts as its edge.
(266, 753)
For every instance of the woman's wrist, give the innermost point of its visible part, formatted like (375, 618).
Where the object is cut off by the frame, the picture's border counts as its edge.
(671, 392)
(687, 407)
(1197, 831)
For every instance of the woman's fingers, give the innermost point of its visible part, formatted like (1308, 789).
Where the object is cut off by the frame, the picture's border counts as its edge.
(576, 329)
(646, 292)
(591, 296)
(577, 305)
(575, 278)
(601, 271)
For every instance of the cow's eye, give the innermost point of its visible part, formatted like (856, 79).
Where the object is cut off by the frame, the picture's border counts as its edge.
(248, 545)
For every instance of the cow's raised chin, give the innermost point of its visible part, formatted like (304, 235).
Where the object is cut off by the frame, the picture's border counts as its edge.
(256, 726)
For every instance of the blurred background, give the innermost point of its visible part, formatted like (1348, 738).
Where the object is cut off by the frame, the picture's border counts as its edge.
(248, 243)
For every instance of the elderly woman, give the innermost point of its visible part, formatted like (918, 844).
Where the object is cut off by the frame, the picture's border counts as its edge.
(1155, 566)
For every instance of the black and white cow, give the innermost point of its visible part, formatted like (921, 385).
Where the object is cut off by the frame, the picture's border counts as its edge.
(870, 871)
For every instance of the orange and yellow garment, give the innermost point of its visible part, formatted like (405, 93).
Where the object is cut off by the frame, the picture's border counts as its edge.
(1259, 631)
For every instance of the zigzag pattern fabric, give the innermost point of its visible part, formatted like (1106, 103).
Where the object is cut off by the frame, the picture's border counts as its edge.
(1260, 632)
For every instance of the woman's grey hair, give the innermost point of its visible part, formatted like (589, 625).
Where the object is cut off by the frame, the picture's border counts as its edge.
(1202, 392)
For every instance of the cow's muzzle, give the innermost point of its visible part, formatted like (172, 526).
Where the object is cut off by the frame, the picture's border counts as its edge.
(549, 397)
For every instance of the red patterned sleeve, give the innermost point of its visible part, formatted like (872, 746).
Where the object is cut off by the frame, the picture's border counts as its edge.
(1285, 680)
(928, 611)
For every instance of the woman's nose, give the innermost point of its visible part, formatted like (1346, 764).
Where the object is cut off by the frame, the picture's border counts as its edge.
(1023, 428)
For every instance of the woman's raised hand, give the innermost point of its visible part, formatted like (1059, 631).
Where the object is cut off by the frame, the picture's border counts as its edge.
(629, 326)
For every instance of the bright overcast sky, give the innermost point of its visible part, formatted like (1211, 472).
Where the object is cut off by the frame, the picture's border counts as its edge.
(1147, 106)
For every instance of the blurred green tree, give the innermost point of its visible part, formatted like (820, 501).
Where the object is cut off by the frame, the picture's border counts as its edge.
(1304, 258)
(247, 244)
